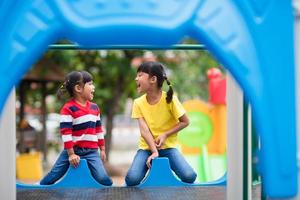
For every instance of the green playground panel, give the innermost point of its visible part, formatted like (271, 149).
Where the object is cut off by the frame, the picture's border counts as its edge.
(209, 167)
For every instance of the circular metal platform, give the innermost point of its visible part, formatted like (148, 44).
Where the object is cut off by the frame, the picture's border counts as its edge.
(132, 193)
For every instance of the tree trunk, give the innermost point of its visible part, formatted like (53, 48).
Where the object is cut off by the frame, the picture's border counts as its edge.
(22, 96)
(113, 108)
(115, 104)
(43, 141)
(108, 136)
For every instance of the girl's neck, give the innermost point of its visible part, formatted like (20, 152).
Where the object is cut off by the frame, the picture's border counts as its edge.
(80, 101)
(153, 96)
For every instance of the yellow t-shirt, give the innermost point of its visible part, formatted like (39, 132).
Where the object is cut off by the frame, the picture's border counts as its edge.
(159, 117)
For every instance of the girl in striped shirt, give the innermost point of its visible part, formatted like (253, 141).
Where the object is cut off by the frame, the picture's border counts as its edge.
(81, 130)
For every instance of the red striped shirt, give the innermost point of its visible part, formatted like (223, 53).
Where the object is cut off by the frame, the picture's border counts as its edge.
(81, 125)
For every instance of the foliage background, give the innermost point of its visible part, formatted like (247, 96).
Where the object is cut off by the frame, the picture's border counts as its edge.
(114, 72)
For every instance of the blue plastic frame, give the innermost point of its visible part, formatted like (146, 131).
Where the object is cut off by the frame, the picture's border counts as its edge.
(160, 175)
(253, 40)
(79, 177)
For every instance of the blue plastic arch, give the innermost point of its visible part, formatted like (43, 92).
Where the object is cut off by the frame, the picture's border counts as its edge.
(240, 33)
(159, 175)
(79, 177)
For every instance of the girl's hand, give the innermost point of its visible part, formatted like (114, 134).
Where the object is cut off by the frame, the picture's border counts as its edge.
(103, 155)
(160, 140)
(152, 156)
(74, 160)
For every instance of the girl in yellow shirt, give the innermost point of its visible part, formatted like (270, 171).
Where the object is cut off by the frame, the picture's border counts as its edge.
(160, 116)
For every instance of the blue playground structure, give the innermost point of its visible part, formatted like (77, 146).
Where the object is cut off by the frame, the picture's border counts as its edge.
(82, 178)
(241, 34)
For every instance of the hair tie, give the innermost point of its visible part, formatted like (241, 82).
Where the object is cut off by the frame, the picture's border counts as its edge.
(64, 84)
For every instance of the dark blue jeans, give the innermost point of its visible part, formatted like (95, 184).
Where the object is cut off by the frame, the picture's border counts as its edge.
(178, 164)
(94, 163)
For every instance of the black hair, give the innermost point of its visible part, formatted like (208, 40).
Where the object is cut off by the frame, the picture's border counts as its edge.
(157, 69)
(72, 79)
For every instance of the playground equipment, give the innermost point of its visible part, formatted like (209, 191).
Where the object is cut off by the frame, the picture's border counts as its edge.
(239, 33)
(203, 142)
(80, 177)
(29, 166)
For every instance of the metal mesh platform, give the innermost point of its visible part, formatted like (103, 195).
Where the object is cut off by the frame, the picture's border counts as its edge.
(132, 193)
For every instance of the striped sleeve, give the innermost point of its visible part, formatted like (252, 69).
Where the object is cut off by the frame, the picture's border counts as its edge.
(66, 123)
(99, 131)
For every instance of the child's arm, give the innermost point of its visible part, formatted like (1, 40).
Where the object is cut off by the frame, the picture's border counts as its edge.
(100, 135)
(183, 122)
(73, 158)
(102, 153)
(146, 134)
(66, 125)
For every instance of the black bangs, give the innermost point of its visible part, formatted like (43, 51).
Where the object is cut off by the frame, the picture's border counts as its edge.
(86, 77)
(145, 67)
(153, 69)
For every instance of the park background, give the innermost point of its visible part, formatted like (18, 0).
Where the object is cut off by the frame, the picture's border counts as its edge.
(114, 72)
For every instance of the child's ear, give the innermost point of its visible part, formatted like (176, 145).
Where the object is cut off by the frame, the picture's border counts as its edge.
(153, 79)
(77, 88)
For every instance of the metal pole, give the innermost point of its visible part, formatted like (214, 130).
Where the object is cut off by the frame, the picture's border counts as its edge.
(249, 154)
(234, 139)
(8, 149)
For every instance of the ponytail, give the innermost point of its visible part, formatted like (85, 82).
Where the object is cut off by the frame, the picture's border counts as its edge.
(62, 90)
(170, 91)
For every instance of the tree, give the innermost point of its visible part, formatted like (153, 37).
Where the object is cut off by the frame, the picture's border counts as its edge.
(114, 75)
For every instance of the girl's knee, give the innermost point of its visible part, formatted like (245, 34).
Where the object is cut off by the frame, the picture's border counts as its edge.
(132, 180)
(189, 177)
(106, 181)
(102, 179)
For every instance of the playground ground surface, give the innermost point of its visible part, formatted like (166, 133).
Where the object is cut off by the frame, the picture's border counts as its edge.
(133, 193)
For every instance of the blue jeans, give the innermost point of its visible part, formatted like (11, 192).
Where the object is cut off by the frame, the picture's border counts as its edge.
(179, 165)
(94, 163)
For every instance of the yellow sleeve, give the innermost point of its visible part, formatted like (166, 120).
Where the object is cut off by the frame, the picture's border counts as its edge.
(177, 108)
(136, 112)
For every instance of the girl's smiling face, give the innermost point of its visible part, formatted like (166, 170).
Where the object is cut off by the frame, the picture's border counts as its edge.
(88, 91)
(143, 82)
